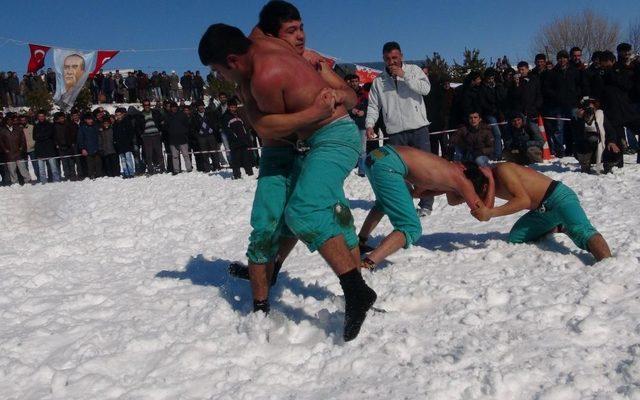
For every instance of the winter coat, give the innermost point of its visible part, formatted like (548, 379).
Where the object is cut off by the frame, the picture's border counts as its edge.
(212, 124)
(492, 100)
(131, 82)
(12, 143)
(400, 100)
(174, 82)
(106, 142)
(124, 135)
(89, 138)
(237, 133)
(526, 97)
(477, 142)
(65, 136)
(563, 87)
(471, 101)
(28, 138)
(178, 128)
(44, 136)
(615, 99)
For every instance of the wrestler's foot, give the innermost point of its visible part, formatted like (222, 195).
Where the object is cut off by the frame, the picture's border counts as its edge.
(358, 300)
(261, 305)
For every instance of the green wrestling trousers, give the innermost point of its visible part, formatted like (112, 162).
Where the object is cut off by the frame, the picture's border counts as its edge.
(560, 207)
(318, 209)
(386, 172)
(279, 168)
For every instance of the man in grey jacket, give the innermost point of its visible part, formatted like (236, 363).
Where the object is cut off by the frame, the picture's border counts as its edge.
(397, 92)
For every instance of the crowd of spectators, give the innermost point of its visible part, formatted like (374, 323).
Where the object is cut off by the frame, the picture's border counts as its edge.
(131, 142)
(591, 111)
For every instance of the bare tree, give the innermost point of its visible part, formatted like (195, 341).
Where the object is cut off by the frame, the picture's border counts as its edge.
(634, 35)
(587, 30)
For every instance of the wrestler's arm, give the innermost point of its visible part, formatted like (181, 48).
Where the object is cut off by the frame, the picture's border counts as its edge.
(519, 201)
(270, 126)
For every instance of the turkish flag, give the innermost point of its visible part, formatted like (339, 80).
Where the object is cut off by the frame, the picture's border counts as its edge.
(366, 74)
(103, 57)
(37, 57)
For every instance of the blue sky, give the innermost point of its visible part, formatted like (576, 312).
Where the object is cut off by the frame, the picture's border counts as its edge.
(353, 30)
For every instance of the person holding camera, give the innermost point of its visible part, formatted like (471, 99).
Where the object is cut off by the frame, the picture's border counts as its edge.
(522, 144)
(592, 136)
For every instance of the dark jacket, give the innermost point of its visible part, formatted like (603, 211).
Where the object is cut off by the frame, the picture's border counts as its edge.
(526, 97)
(477, 142)
(178, 127)
(43, 134)
(491, 100)
(106, 141)
(124, 135)
(211, 127)
(521, 139)
(471, 101)
(65, 136)
(363, 102)
(12, 143)
(615, 99)
(237, 134)
(89, 138)
(563, 87)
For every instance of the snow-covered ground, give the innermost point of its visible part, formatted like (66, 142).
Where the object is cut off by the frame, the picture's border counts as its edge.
(119, 289)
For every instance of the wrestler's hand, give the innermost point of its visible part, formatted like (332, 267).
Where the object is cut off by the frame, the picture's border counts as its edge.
(481, 213)
(325, 103)
(371, 134)
(486, 171)
(314, 58)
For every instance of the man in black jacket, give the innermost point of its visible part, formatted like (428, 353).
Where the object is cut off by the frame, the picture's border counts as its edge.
(124, 137)
(631, 67)
(43, 134)
(178, 128)
(206, 126)
(491, 99)
(522, 145)
(65, 138)
(525, 96)
(239, 141)
(563, 90)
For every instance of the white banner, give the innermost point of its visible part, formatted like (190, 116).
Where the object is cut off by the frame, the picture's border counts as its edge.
(72, 70)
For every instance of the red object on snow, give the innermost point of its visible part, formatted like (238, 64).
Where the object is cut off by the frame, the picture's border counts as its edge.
(36, 62)
(103, 57)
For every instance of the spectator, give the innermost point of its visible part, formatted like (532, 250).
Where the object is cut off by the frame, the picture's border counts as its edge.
(108, 88)
(165, 85)
(434, 102)
(358, 114)
(492, 97)
(89, 145)
(107, 150)
(562, 90)
(220, 108)
(51, 81)
(30, 143)
(178, 128)
(155, 83)
(187, 86)
(198, 87)
(631, 67)
(174, 82)
(152, 138)
(473, 142)
(45, 148)
(65, 138)
(471, 93)
(13, 88)
(239, 141)
(591, 127)
(124, 141)
(522, 144)
(206, 127)
(397, 92)
(12, 146)
(617, 108)
(131, 83)
(525, 96)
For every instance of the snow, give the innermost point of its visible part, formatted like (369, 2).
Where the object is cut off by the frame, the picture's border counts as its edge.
(118, 289)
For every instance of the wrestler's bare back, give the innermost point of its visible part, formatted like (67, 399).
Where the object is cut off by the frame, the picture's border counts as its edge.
(510, 177)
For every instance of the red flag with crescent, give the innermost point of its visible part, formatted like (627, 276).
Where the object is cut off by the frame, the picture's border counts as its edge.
(103, 57)
(36, 61)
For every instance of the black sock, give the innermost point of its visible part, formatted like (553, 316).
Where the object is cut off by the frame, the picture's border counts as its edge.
(358, 300)
(261, 305)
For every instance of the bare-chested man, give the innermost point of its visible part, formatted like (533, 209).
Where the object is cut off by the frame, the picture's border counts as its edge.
(552, 205)
(280, 161)
(389, 169)
(280, 82)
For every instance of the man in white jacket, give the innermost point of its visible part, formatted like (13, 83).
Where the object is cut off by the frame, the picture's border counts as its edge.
(397, 93)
